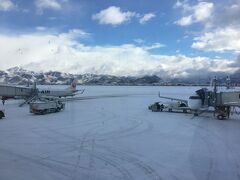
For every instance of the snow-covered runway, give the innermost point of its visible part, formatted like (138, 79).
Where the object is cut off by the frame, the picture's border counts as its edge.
(117, 137)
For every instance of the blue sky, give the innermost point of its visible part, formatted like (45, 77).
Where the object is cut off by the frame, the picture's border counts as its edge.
(80, 32)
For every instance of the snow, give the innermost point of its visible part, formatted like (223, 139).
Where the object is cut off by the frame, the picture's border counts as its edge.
(115, 136)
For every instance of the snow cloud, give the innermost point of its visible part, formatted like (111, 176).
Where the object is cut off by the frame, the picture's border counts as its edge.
(113, 16)
(6, 5)
(65, 52)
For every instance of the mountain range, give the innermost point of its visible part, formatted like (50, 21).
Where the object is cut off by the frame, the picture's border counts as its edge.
(20, 76)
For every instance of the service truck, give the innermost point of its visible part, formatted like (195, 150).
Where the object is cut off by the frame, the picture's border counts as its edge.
(46, 106)
(171, 106)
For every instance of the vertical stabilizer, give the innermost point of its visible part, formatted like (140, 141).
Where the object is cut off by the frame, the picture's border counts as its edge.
(73, 86)
(228, 82)
(35, 85)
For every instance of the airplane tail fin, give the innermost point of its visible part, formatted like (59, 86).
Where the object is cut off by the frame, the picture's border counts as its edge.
(73, 86)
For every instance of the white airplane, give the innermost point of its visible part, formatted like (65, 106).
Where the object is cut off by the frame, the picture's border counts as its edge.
(70, 91)
(30, 93)
(206, 100)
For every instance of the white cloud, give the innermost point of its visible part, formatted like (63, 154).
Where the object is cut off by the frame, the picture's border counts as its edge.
(48, 4)
(146, 17)
(62, 52)
(139, 41)
(185, 21)
(52, 18)
(113, 15)
(194, 14)
(202, 11)
(6, 5)
(219, 40)
(76, 33)
(41, 28)
(220, 32)
(183, 4)
(226, 14)
(178, 4)
(154, 46)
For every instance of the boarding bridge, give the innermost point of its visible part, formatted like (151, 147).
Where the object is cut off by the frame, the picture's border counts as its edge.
(13, 91)
(228, 98)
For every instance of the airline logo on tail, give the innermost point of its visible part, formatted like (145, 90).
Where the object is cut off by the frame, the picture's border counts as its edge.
(74, 86)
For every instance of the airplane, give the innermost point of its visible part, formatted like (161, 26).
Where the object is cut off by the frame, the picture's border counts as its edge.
(70, 91)
(207, 100)
(31, 93)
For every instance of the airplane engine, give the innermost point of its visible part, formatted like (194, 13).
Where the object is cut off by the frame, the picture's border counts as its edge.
(194, 102)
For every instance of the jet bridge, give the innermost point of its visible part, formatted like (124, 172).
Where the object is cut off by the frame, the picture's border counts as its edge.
(228, 98)
(8, 91)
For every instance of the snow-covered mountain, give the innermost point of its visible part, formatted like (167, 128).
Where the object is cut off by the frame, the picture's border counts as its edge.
(20, 76)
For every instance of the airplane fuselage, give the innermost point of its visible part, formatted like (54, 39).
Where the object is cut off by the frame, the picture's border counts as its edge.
(55, 93)
(11, 91)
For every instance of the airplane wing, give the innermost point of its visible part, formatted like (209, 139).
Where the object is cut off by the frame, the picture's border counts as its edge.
(79, 91)
(94, 97)
(173, 99)
(50, 97)
(232, 104)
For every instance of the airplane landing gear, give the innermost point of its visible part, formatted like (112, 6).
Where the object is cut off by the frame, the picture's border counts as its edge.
(195, 114)
(221, 117)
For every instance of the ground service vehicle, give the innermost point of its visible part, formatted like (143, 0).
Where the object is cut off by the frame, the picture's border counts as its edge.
(46, 106)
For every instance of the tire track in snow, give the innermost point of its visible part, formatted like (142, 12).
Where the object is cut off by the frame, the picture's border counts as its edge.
(54, 168)
(119, 157)
(79, 150)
